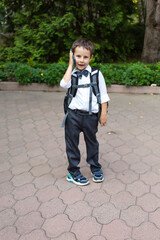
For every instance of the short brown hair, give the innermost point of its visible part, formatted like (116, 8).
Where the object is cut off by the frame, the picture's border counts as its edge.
(83, 42)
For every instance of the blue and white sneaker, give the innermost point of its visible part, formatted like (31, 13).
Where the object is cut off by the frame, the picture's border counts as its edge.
(98, 177)
(79, 180)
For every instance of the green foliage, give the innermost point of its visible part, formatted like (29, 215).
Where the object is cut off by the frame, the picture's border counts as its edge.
(129, 74)
(45, 31)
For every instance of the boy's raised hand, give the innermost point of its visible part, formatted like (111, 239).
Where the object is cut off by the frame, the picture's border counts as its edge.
(71, 58)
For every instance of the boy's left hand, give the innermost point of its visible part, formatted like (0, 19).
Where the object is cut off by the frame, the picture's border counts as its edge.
(103, 119)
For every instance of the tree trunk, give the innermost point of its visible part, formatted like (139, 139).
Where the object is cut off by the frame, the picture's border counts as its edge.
(151, 48)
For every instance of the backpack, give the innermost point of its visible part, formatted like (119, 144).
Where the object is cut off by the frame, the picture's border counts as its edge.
(93, 85)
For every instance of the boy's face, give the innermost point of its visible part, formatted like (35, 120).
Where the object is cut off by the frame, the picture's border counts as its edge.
(83, 57)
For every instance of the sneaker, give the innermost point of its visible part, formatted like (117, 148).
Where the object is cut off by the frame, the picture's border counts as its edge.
(98, 177)
(79, 180)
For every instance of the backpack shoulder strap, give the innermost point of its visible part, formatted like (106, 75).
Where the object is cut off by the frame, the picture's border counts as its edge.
(74, 82)
(95, 82)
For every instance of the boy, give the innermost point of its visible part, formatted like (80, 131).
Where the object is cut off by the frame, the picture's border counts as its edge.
(79, 118)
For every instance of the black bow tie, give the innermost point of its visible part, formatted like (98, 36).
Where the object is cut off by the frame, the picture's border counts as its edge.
(84, 72)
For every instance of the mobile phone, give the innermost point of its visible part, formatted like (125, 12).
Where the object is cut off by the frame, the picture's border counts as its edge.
(74, 60)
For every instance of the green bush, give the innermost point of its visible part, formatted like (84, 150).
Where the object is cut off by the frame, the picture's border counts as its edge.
(129, 74)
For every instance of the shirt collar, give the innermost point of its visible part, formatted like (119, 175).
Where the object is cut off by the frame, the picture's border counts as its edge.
(88, 68)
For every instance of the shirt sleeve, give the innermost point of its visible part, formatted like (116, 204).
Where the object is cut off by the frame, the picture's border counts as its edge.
(103, 89)
(63, 84)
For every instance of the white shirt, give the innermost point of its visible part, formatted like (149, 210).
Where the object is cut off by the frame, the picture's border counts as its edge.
(81, 99)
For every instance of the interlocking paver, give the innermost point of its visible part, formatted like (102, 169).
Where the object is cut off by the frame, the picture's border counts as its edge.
(54, 227)
(106, 213)
(6, 201)
(47, 193)
(138, 188)
(134, 216)
(123, 200)
(146, 231)
(37, 234)
(9, 233)
(127, 176)
(29, 222)
(116, 230)
(52, 208)
(25, 206)
(78, 210)
(149, 202)
(36, 201)
(86, 228)
(97, 198)
(72, 195)
(7, 218)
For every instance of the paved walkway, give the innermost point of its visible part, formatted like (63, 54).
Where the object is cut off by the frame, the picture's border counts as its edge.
(37, 203)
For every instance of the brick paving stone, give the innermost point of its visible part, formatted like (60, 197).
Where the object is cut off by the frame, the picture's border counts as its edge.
(52, 208)
(140, 167)
(16, 151)
(128, 176)
(4, 166)
(106, 213)
(116, 142)
(22, 179)
(86, 228)
(156, 168)
(155, 217)
(78, 210)
(21, 168)
(116, 230)
(123, 150)
(29, 222)
(25, 206)
(6, 201)
(60, 172)
(63, 184)
(136, 131)
(66, 236)
(146, 231)
(6, 188)
(151, 160)
(48, 193)
(138, 188)
(123, 200)
(24, 191)
(72, 195)
(20, 158)
(156, 189)
(35, 152)
(39, 160)
(7, 217)
(111, 157)
(37, 234)
(44, 181)
(119, 166)
(97, 198)
(108, 174)
(32, 145)
(54, 227)
(5, 176)
(144, 137)
(40, 170)
(142, 151)
(113, 186)
(134, 216)
(150, 178)
(98, 238)
(146, 200)
(9, 233)
(131, 158)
